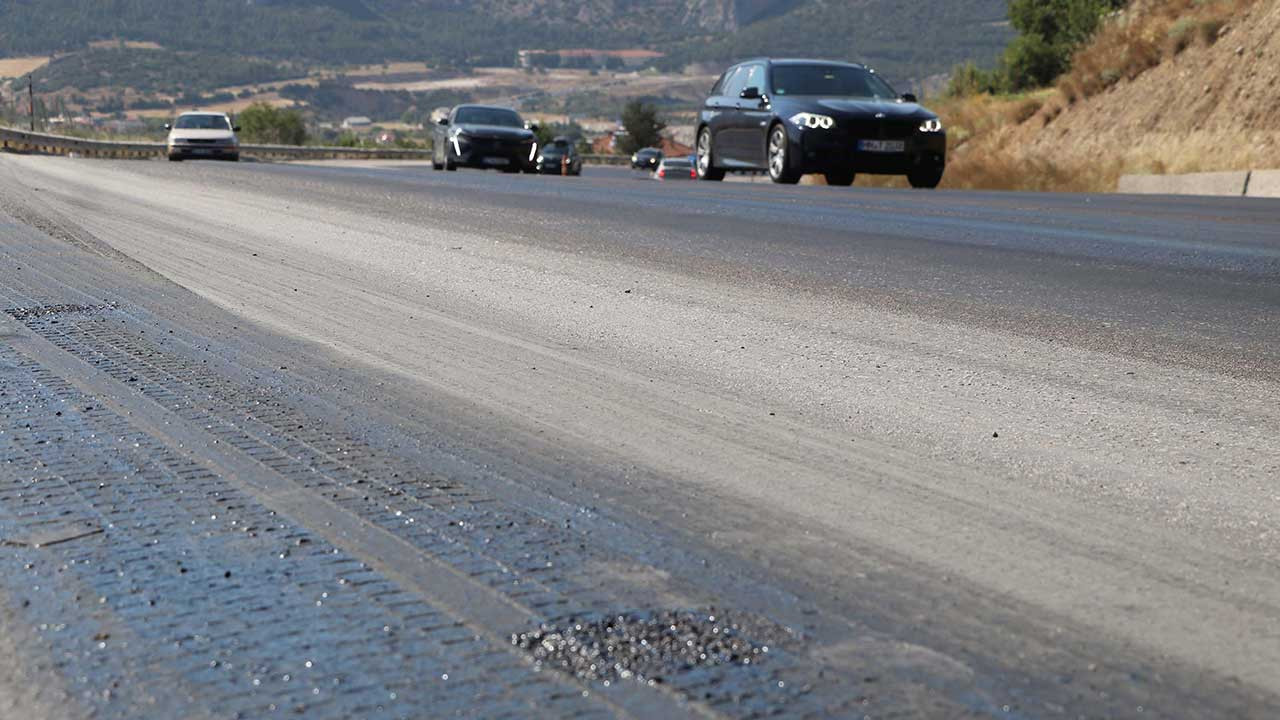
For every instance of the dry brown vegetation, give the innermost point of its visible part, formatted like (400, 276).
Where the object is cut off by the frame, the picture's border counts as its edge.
(18, 66)
(1157, 91)
(1141, 37)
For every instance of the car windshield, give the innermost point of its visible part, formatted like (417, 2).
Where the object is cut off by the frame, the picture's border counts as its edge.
(488, 116)
(830, 81)
(202, 122)
(560, 144)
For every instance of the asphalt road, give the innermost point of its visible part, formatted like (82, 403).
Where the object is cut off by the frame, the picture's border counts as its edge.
(947, 454)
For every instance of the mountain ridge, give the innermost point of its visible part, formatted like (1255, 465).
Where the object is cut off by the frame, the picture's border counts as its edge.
(902, 37)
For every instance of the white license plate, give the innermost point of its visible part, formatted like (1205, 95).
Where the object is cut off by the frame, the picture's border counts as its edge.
(497, 161)
(882, 146)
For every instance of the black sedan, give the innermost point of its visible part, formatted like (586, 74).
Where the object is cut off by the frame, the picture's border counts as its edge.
(482, 136)
(559, 157)
(792, 117)
(646, 159)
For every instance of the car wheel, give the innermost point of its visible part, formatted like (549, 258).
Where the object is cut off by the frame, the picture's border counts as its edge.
(780, 170)
(925, 179)
(706, 163)
(842, 178)
(437, 166)
(450, 166)
(174, 158)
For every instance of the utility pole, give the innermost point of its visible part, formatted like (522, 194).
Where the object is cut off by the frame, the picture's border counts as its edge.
(31, 102)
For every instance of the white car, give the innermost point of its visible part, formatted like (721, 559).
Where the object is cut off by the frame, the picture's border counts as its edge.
(203, 135)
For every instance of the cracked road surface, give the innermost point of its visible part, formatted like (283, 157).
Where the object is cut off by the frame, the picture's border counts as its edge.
(358, 440)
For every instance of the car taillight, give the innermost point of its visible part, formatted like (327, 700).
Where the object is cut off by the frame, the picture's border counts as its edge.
(693, 174)
(662, 173)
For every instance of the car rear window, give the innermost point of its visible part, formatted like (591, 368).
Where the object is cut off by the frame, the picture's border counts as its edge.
(677, 163)
(830, 81)
(202, 122)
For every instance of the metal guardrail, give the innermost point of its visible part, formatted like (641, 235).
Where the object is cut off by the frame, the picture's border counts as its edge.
(606, 160)
(13, 140)
(28, 142)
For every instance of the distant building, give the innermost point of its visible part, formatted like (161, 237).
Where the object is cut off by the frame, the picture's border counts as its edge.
(356, 121)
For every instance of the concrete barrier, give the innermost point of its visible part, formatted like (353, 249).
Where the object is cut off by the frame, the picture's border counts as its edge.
(1216, 184)
(1264, 184)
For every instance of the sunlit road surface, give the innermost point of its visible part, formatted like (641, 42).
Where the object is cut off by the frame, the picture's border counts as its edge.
(368, 440)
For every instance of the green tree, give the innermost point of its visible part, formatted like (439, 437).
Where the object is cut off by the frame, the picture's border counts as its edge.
(1049, 31)
(640, 120)
(262, 123)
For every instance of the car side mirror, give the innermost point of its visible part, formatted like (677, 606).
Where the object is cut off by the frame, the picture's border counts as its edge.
(532, 127)
(235, 129)
(443, 121)
(910, 97)
(751, 93)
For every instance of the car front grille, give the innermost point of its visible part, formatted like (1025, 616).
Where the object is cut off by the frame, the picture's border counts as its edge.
(880, 129)
(494, 144)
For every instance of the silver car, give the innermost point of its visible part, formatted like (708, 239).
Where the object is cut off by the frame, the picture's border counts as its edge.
(203, 135)
(677, 168)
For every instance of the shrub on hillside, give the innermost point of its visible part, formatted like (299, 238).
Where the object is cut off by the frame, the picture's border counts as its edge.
(1049, 32)
(262, 123)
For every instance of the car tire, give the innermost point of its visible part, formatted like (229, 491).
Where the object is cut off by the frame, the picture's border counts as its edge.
(707, 169)
(450, 166)
(843, 178)
(175, 158)
(437, 166)
(779, 154)
(233, 158)
(927, 179)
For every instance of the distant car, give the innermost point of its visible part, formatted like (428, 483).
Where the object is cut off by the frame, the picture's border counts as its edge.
(677, 168)
(484, 136)
(559, 156)
(646, 159)
(792, 117)
(203, 135)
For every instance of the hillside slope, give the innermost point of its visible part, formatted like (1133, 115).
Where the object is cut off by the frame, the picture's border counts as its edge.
(1190, 92)
(1210, 107)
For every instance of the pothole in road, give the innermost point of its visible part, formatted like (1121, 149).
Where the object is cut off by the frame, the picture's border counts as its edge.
(652, 647)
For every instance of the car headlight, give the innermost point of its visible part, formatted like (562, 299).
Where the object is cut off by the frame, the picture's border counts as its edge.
(813, 121)
(931, 126)
(457, 137)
